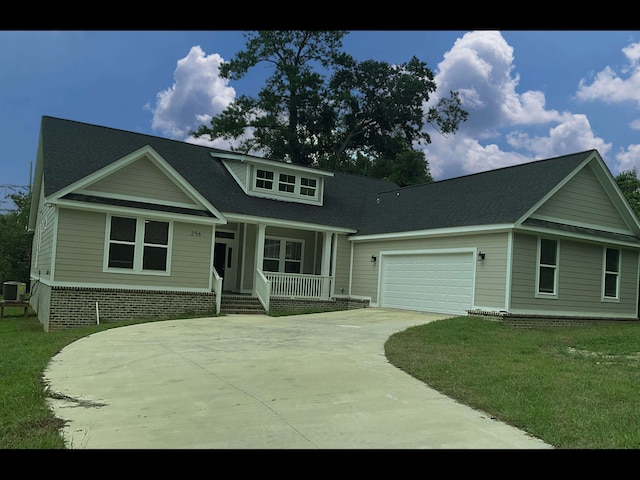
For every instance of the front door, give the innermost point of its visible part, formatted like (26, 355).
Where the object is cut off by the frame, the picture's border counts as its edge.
(224, 259)
(220, 260)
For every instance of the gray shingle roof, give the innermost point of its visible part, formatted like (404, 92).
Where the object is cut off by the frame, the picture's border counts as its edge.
(492, 197)
(73, 150)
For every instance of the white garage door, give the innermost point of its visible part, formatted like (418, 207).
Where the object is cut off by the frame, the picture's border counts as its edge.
(441, 283)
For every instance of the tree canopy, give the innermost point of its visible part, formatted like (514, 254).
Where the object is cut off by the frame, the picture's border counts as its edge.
(321, 107)
(15, 241)
(629, 183)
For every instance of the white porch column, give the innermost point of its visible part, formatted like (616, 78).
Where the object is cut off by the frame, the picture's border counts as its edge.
(326, 264)
(259, 249)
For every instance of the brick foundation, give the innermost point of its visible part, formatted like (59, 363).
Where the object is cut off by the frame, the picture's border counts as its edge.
(535, 321)
(278, 304)
(76, 307)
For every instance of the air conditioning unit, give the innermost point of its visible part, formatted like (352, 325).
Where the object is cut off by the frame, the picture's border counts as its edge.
(13, 291)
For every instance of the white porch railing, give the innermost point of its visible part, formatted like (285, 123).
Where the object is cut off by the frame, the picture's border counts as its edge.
(263, 289)
(296, 285)
(217, 288)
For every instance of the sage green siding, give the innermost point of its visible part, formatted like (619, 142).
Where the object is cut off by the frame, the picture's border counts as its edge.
(343, 260)
(239, 169)
(43, 240)
(142, 178)
(584, 201)
(580, 277)
(81, 248)
(491, 274)
(42, 260)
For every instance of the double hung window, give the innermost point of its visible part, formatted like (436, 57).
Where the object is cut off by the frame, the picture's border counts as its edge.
(287, 183)
(264, 179)
(611, 274)
(282, 255)
(308, 187)
(547, 266)
(137, 244)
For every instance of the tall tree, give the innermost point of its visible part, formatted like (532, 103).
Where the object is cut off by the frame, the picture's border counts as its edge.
(629, 183)
(290, 107)
(15, 241)
(321, 107)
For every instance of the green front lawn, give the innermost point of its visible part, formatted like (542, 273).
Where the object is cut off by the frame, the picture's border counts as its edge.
(573, 387)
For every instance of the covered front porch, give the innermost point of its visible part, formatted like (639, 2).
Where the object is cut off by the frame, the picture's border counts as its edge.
(274, 261)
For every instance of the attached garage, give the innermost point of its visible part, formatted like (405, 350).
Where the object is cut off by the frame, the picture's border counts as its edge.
(432, 281)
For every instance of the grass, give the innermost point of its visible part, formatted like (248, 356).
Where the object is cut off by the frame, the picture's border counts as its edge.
(574, 387)
(26, 422)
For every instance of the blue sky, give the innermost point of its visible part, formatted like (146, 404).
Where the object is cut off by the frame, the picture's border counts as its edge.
(529, 94)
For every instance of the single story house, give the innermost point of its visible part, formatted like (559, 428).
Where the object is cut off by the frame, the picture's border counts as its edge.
(128, 225)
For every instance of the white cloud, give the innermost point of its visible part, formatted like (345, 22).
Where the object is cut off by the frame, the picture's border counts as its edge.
(480, 66)
(627, 160)
(197, 94)
(608, 86)
(462, 155)
(572, 135)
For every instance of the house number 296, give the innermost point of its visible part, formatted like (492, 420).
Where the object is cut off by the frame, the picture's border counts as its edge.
(195, 233)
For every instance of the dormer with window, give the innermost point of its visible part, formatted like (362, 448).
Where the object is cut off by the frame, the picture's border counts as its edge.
(277, 180)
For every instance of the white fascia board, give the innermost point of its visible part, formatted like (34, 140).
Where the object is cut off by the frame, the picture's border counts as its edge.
(436, 232)
(275, 222)
(143, 212)
(578, 236)
(115, 196)
(271, 163)
(564, 221)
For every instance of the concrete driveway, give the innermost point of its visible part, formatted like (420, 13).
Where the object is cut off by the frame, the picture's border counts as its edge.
(318, 381)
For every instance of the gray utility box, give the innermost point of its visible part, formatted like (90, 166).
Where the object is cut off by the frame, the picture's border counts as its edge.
(13, 291)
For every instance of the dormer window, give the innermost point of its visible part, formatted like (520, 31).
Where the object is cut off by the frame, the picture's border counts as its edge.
(287, 183)
(264, 179)
(308, 186)
(276, 180)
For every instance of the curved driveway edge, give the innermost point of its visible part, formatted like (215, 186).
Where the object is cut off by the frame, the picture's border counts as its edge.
(315, 381)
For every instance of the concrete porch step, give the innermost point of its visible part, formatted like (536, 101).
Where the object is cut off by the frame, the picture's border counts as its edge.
(236, 303)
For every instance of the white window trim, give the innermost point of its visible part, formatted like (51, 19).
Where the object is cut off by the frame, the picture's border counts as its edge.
(605, 298)
(556, 268)
(282, 259)
(138, 248)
